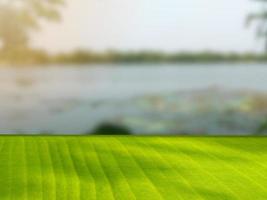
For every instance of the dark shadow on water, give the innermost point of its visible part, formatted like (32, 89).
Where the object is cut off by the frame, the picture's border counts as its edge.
(262, 129)
(111, 129)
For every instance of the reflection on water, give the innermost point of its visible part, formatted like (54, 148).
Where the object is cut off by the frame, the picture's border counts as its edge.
(213, 99)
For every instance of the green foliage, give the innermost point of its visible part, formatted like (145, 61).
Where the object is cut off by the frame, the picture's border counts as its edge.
(261, 18)
(103, 168)
(19, 17)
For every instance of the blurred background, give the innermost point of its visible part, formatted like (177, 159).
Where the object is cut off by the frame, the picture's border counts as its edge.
(195, 67)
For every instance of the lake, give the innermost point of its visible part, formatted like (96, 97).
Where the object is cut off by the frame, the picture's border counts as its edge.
(74, 99)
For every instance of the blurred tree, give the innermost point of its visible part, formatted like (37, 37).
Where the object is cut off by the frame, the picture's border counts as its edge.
(261, 18)
(19, 17)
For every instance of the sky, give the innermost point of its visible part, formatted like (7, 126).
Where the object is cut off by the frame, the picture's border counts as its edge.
(166, 25)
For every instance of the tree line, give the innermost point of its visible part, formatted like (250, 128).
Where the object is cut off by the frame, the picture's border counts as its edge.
(132, 57)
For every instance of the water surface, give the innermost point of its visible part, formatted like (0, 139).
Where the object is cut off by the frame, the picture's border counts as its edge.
(74, 99)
